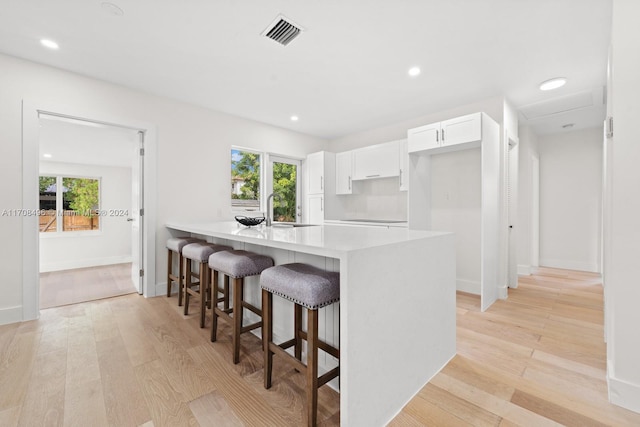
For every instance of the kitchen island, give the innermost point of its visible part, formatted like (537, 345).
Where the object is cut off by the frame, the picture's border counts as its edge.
(395, 324)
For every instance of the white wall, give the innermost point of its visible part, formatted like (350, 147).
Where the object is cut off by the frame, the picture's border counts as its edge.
(571, 199)
(375, 199)
(193, 160)
(622, 287)
(110, 245)
(527, 238)
(456, 205)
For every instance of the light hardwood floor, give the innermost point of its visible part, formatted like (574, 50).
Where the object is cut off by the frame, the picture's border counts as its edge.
(536, 359)
(84, 284)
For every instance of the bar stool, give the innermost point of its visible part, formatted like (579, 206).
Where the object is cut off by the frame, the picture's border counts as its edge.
(308, 287)
(237, 264)
(175, 244)
(199, 252)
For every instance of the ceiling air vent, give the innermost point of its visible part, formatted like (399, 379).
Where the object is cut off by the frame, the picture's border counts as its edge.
(282, 30)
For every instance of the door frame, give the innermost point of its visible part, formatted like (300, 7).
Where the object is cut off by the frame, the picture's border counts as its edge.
(270, 159)
(31, 111)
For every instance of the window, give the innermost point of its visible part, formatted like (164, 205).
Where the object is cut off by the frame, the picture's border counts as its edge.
(69, 204)
(285, 183)
(245, 179)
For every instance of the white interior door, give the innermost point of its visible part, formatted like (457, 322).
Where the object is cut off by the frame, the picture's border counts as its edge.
(512, 205)
(136, 216)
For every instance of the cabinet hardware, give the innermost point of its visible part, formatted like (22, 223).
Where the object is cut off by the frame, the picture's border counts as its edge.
(437, 136)
(322, 183)
(609, 124)
(349, 183)
(400, 177)
(372, 176)
(442, 135)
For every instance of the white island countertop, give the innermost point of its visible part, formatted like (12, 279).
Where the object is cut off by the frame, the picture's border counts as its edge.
(326, 240)
(396, 320)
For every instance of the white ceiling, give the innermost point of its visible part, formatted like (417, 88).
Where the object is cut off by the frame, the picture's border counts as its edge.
(71, 141)
(347, 72)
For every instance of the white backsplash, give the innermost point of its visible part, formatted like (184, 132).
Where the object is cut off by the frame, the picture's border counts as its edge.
(376, 199)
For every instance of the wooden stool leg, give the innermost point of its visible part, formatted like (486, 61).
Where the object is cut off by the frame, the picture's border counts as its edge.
(238, 291)
(203, 292)
(297, 330)
(180, 279)
(312, 367)
(169, 271)
(267, 335)
(214, 313)
(187, 284)
(226, 293)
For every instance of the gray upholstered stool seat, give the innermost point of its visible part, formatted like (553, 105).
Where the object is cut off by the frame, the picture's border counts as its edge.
(309, 287)
(237, 264)
(200, 253)
(303, 284)
(175, 244)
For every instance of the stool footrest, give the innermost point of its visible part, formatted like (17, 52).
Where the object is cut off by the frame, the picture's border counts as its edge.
(285, 345)
(255, 309)
(323, 379)
(276, 349)
(335, 352)
(251, 327)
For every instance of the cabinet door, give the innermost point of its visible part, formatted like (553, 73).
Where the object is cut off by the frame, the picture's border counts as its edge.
(461, 129)
(315, 205)
(404, 165)
(376, 161)
(343, 172)
(315, 167)
(424, 137)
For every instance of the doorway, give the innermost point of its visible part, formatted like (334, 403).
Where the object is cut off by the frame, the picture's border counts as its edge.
(89, 190)
(283, 178)
(32, 113)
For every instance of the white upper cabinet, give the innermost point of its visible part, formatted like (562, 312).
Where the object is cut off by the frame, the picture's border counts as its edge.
(460, 130)
(376, 161)
(424, 137)
(344, 175)
(404, 164)
(316, 171)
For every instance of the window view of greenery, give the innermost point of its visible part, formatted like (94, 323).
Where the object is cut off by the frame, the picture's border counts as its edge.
(79, 204)
(245, 179)
(284, 183)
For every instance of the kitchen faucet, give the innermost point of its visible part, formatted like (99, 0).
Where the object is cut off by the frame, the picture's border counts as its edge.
(269, 213)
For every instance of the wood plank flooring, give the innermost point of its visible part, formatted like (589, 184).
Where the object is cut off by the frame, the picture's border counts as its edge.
(84, 284)
(536, 359)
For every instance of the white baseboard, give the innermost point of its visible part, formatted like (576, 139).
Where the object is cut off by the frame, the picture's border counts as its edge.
(469, 286)
(625, 394)
(503, 292)
(83, 263)
(11, 315)
(570, 265)
(524, 270)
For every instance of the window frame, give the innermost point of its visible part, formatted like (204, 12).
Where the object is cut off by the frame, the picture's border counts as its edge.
(60, 207)
(261, 185)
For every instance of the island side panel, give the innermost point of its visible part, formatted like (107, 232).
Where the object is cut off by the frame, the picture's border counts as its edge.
(398, 325)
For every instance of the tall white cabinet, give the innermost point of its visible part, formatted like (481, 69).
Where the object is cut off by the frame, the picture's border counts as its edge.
(321, 185)
(473, 131)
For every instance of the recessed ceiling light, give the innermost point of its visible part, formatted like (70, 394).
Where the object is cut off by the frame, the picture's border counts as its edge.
(49, 43)
(47, 155)
(554, 83)
(111, 8)
(294, 118)
(414, 71)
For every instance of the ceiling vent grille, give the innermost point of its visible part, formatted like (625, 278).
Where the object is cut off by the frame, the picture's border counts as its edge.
(282, 30)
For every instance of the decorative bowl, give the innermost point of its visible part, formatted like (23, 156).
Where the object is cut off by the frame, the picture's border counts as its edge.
(249, 221)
